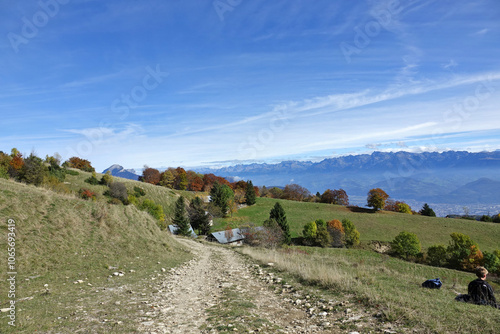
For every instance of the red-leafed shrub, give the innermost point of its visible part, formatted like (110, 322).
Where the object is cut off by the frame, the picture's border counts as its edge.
(87, 194)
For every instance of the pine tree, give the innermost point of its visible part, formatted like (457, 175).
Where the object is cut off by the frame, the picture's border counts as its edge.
(180, 219)
(198, 218)
(221, 195)
(278, 214)
(250, 194)
(427, 211)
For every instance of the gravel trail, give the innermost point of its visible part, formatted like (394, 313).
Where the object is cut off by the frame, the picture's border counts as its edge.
(219, 291)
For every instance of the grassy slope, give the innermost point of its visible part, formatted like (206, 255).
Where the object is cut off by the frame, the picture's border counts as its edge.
(388, 286)
(61, 239)
(160, 195)
(381, 226)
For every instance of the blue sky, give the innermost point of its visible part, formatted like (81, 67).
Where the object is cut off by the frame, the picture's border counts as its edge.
(202, 83)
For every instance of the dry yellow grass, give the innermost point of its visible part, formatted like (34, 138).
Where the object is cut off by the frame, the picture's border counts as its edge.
(61, 238)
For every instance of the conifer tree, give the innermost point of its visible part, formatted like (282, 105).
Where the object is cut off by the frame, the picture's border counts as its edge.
(199, 219)
(427, 211)
(221, 195)
(250, 194)
(278, 214)
(180, 218)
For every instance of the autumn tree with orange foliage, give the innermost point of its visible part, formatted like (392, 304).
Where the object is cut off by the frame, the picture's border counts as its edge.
(195, 181)
(78, 163)
(377, 198)
(15, 165)
(474, 259)
(150, 175)
(336, 230)
(210, 179)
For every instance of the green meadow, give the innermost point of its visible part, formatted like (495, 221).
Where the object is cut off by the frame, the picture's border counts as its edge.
(380, 226)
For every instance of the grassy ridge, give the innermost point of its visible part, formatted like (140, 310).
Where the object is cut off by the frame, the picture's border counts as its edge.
(61, 239)
(381, 226)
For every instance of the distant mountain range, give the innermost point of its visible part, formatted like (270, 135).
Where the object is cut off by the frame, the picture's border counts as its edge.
(453, 178)
(117, 170)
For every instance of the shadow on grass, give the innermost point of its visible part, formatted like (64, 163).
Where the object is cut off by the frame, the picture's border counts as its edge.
(361, 210)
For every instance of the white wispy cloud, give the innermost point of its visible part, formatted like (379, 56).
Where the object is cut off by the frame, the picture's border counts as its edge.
(102, 134)
(482, 31)
(92, 80)
(451, 64)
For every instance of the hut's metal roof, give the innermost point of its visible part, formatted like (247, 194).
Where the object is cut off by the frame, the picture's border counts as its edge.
(220, 236)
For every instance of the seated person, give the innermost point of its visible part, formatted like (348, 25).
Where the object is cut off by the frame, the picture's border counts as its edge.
(480, 292)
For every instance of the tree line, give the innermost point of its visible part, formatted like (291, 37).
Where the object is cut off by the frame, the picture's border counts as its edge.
(34, 170)
(462, 253)
(180, 179)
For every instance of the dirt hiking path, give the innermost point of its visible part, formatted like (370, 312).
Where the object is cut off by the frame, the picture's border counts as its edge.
(220, 292)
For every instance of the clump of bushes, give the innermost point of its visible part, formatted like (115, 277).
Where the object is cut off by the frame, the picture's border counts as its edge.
(92, 179)
(4, 174)
(331, 234)
(106, 179)
(462, 253)
(155, 210)
(350, 232)
(406, 245)
(119, 191)
(139, 192)
(269, 236)
(397, 206)
(437, 256)
(316, 234)
(491, 261)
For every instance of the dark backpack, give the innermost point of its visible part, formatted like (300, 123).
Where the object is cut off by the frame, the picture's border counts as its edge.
(432, 283)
